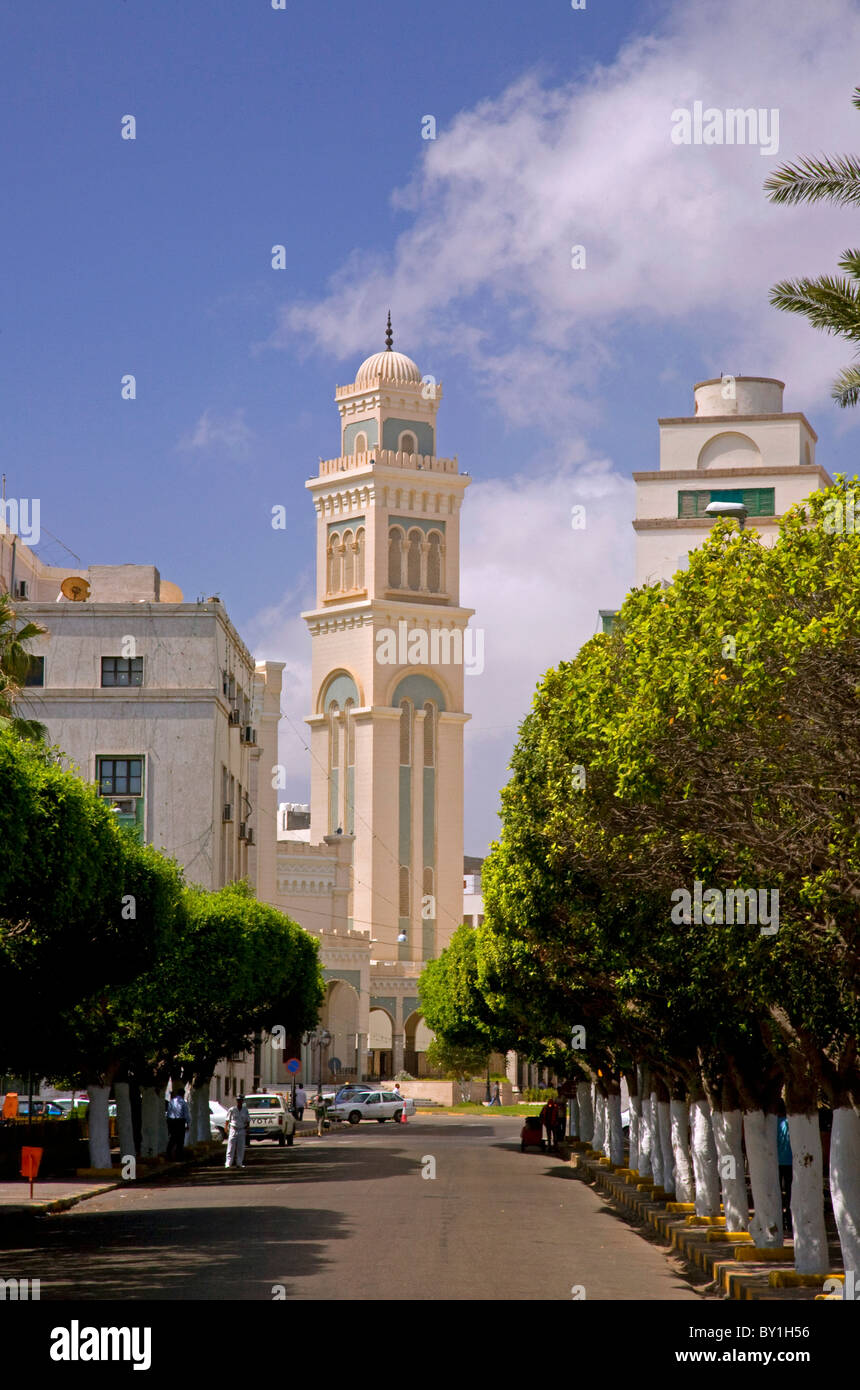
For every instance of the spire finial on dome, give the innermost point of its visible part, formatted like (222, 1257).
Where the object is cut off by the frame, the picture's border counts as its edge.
(389, 336)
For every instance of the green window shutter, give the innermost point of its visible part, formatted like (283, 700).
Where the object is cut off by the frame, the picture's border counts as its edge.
(759, 501)
(727, 495)
(692, 503)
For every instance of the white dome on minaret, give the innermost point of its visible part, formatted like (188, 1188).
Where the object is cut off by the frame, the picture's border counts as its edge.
(389, 365)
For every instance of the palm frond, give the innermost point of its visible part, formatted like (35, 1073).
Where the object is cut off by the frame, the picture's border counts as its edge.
(812, 180)
(831, 305)
(846, 387)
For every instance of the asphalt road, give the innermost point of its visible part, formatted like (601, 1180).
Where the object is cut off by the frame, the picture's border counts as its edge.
(350, 1216)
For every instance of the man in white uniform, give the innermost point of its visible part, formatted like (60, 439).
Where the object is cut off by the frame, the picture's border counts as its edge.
(238, 1125)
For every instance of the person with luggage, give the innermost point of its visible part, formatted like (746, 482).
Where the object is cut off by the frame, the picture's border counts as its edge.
(549, 1119)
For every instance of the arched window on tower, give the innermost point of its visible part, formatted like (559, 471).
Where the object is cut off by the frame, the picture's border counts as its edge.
(429, 734)
(407, 443)
(434, 563)
(360, 444)
(395, 557)
(349, 706)
(359, 558)
(413, 560)
(429, 891)
(333, 736)
(334, 563)
(348, 560)
(405, 733)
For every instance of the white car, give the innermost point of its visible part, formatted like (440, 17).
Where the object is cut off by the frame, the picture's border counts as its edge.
(217, 1120)
(376, 1105)
(271, 1118)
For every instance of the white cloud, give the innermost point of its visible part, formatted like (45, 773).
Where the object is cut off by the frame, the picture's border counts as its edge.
(673, 234)
(229, 433)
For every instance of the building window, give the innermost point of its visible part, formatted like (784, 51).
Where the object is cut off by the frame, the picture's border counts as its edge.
(360, 444)
(395, 556)
(407, 443)
(120, 776)
(404, 891)
(413, 560)
(405, 733)
(35, 671)
(359, 558)
(759, 501)
(348, 560)
(429, 734)
(434, 563)
(122, 670)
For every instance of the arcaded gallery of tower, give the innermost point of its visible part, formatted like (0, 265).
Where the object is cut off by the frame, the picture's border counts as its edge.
(386, 717)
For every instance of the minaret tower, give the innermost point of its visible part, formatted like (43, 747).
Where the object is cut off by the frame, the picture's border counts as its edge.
(389, 639)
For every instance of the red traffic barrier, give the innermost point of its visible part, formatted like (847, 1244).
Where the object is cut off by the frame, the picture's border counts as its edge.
(30, 1160)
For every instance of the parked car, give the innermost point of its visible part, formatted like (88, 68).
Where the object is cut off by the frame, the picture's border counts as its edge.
(353, 1090)
(271, 1118)
(376, 1105)
(217, 1120)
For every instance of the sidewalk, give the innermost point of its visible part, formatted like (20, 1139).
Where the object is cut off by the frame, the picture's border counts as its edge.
(736, 1268)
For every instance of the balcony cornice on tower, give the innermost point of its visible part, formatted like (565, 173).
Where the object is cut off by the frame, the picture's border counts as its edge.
(375, 459)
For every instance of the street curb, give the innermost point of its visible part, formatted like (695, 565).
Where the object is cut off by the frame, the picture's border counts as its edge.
(734, 1265)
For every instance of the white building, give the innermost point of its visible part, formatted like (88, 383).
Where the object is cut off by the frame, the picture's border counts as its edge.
(738, 446)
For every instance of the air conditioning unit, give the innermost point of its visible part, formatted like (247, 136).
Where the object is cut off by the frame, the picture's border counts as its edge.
(123, 805)
(22, 588)
(243, 833)
(228, 812)
(233, 718)
(250, 836)
(249, 734)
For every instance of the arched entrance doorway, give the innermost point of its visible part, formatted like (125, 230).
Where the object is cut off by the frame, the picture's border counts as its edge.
(381, 1044)
(340, 1014)
(417, 1039)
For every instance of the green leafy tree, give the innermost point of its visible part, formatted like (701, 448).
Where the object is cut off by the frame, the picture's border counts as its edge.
(14, 666)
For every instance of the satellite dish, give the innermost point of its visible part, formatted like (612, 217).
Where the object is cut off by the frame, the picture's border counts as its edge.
(169, 593)
(75, 588)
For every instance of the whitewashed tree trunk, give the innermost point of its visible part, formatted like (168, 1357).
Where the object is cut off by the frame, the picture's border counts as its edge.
(152, 1109)
(646, 1138)
(586, 1112)
(635, 1121)
(125, 1128)
(807, 1195)
(705, 1161)
(680, 1114)
(656, 1147)
(728, 1131)
(760, 1139)
(664, 1129)
(98, 1124)
(606, 1128)
(845, 1185)
(200, 1130)
(573, 1125)
(616, 1135)
(599, 1122)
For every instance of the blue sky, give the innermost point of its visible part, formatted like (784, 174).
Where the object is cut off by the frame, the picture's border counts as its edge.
(303, 127)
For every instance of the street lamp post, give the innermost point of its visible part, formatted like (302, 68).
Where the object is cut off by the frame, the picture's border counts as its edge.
(735, 509)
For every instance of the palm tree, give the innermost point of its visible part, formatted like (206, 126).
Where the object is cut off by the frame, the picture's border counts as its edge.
(831, 303)
(14, 664)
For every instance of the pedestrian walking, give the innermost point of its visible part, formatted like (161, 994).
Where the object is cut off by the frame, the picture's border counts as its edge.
(178, 1122)
(549, 1117)
(785, 1161)
(497, 1096)
(301, 1100)
(320, 1111)
(238, 1127)
(561, 1122)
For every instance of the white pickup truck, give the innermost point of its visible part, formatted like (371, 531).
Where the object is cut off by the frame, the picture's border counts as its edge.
(270, 1118)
